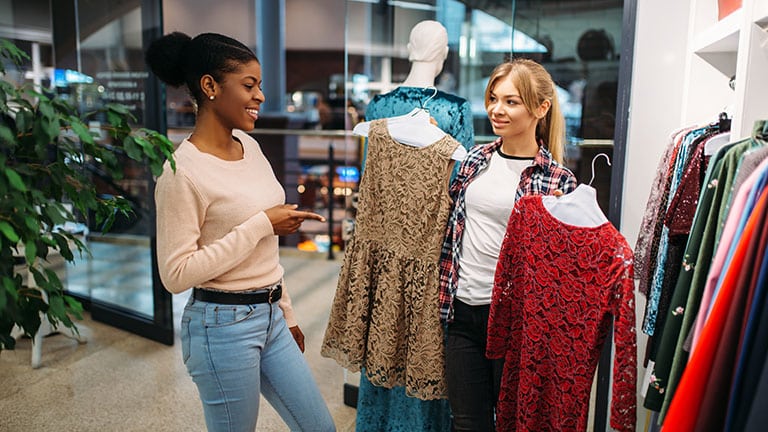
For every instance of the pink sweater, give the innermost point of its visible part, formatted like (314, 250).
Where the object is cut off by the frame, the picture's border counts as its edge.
(211, 227)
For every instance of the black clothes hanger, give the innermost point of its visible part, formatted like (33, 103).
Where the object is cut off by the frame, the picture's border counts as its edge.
(723, 122)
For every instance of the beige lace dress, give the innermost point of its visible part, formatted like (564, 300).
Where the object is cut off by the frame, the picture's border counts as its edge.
(385, 314)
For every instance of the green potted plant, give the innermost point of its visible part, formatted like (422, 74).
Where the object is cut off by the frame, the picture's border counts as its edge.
(44, 146)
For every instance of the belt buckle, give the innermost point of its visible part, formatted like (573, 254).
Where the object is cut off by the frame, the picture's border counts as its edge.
(272, 291)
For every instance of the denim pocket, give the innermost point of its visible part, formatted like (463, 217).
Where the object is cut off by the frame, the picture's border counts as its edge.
(226, 315)
(185, 338)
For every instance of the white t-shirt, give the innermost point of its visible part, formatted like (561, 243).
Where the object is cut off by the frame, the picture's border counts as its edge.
(489, 201)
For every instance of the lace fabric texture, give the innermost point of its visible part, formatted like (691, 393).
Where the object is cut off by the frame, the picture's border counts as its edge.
(557, 289)
(385, 316)
(646, 247)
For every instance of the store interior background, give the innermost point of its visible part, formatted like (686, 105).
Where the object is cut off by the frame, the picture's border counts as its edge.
(681, 58)
(338, 54)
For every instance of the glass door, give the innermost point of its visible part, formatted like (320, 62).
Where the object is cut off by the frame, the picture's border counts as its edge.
(99, 56)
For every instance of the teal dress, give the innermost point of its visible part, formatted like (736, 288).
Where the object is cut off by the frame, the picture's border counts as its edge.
(389, 410)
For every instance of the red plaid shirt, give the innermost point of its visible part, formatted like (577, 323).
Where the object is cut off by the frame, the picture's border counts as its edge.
(543, 177)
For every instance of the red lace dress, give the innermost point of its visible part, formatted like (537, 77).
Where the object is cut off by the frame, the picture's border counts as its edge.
(557, 289)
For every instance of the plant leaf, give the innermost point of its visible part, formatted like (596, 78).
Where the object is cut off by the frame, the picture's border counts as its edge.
(7, 136)
(82, 132)
(9, 232)
(30, 251)
(15, 179)
(130, 147)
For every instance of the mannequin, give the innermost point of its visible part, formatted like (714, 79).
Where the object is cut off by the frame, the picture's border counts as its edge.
(428, 49)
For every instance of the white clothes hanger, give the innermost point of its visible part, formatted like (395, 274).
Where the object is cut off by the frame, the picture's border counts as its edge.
(716, 142)
(578, 208)
(414, 129)
(607, 160)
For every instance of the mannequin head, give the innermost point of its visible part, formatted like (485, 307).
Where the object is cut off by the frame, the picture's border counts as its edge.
(428, 42)
(427, 50)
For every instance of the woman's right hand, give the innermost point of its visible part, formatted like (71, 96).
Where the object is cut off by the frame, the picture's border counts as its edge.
(286, 219)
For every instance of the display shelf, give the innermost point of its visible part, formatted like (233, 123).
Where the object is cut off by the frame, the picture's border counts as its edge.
(718, 44)
(760, 13)
(733, 47)
(723, 36)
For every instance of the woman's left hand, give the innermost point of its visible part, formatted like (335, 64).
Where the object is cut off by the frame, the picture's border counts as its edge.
(298, 336)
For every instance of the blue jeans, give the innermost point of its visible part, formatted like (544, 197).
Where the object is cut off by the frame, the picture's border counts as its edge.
(234, 353)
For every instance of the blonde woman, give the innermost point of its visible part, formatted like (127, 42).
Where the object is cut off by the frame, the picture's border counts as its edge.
(522, 106)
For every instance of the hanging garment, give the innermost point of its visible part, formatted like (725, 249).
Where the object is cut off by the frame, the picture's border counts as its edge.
(646, 248)
(452, 113)
(686, 405)
(654, 294)
(384, 316)
(697, 274)
(685, 298)
(375, 404)
(558, 288)
(677, 225)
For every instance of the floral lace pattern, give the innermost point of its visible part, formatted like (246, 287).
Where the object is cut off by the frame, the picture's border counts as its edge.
(557, 289)
(647, 244)
(385, 316)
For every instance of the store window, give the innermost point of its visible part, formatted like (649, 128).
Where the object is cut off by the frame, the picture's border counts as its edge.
(577, 42)
(99, 60)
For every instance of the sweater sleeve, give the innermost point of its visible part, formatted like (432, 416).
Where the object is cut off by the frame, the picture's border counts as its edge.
(182, 262)
(624, 404)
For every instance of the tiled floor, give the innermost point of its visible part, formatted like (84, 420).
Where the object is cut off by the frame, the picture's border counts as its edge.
(121, 382)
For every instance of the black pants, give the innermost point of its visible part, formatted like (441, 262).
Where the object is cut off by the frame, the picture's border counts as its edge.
(473, 380)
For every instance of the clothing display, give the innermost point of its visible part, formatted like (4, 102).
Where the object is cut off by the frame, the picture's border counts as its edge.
(452, 113)
(553, 305)
(453, 116)
(671, 213)
(706, 340)
(384, 316)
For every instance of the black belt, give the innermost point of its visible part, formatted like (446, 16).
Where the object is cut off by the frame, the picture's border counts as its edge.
(272, 295)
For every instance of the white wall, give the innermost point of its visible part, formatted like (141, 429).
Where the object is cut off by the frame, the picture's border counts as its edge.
(201, 16)
(656, 107)
(314, 24)
(656, 100)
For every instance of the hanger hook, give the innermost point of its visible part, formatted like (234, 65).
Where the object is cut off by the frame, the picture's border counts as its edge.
(607, 160)
(434, 93)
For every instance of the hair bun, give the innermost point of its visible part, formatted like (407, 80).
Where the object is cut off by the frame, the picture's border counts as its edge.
(165, 57)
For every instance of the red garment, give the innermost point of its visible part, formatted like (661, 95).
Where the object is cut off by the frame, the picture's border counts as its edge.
(556, 291)
(686, 403)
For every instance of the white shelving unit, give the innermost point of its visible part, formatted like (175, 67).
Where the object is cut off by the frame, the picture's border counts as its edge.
(719, 50)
